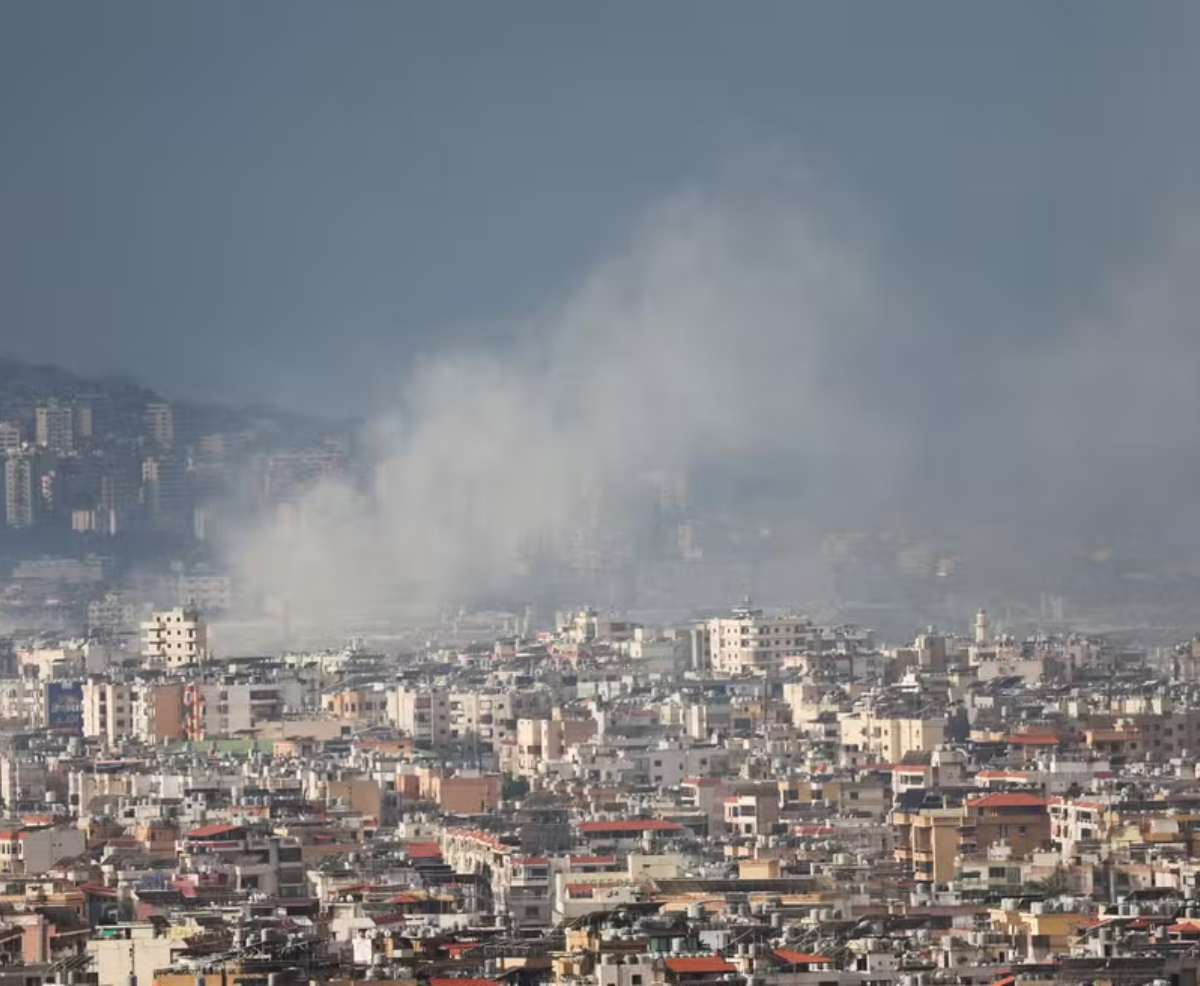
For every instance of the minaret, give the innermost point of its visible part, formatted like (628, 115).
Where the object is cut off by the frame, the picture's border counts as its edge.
(983, 629)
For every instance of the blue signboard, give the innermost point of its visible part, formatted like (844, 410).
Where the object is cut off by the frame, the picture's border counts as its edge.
(64, 707)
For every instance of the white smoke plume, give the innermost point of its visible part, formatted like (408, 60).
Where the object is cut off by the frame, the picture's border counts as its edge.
(747, 336)
(738, 331)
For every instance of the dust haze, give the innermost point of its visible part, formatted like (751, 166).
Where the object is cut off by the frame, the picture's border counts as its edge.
(748, 359)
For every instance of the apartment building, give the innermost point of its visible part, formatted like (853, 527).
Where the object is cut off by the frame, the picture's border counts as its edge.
(20, 490)
(175, 638)
(750, 642)
(108, 710)
(752, 813)
(229, 707)
(422, 713)
(889, 739)
(54, 427)
(547, 740)
(367, 704)
(481, 722)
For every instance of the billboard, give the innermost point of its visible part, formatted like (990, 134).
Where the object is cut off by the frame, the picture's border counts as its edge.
(64, 707)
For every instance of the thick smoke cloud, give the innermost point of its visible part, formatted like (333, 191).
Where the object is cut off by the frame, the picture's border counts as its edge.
(736, 334)
(751, 341)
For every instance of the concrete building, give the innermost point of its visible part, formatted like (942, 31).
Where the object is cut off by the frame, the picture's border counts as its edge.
(1020, 820)
(368, 704)
(41, 848)
(175, 638)
(423, 714)
(20, 490)
(54, 427)
(10, 437)
(108, 710)
(890, 739)
(228, 708)
(160, 424)
(750, 642)
(481, 722)
(165, 493)
(755, 813)
(158, 712)
(128, 953)
(547, 740)
(22, 782)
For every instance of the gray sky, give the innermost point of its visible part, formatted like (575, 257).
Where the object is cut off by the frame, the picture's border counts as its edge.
(290, 200)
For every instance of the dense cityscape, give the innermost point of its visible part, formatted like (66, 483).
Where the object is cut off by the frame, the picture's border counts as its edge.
(492, 796)
(654, 493)
(751, 798)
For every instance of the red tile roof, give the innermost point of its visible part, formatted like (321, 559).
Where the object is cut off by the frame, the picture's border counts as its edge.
(210, 831)
(631, 825)
(703, 963)
(800, 958)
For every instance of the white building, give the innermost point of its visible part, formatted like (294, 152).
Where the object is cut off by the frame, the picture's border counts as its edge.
(750, 642)
(175, 638)
(108, 710)
(423, 714)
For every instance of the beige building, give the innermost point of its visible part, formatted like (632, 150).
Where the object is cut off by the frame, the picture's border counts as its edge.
(750, 642)
(482, 721)
(107, 710)
(132, 950)
(364, 704)
(927, 841)
(423, 714)
(889, 740)
(175, 638)
(754, 813)
(10, 437)
(541, 740)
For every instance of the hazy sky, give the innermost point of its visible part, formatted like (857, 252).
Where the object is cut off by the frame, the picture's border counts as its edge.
(290, 200)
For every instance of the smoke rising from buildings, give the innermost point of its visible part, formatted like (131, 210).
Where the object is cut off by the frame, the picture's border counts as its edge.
(751, 341)
(726, 335)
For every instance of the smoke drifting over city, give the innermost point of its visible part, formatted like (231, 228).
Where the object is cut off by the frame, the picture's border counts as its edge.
(748, 344)
(728, 331)
(753, 340)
